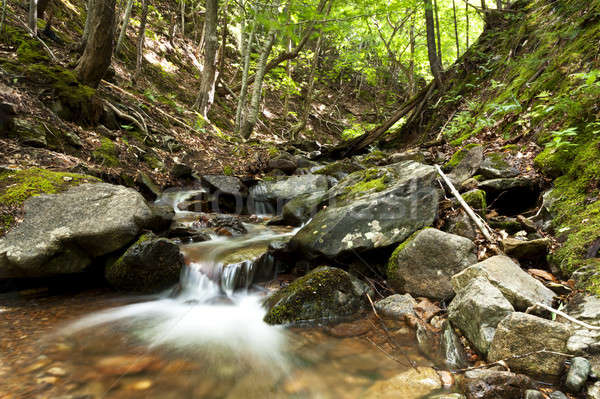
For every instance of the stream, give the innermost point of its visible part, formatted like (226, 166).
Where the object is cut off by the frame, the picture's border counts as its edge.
(201, 339)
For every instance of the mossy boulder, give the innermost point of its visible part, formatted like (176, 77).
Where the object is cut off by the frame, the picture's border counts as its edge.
(29, 132)
(107, 153)
(464, 163)
(324, 294)
(496, 165)
(150, 264)
(476, 199)
(339, 169)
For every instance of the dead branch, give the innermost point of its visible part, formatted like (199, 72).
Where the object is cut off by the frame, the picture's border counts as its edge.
(566, 316)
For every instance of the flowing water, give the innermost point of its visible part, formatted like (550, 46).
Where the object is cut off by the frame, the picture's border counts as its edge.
(204, 338)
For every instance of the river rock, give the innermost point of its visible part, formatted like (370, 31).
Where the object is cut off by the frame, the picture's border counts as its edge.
(371, 209)
(411, 384)
(274, 194)
(228, 193)
(62, 233)
(578, 374)
(526, 250)
(396, 306)
(516, 285)
(448, 396)
(462, 225)
(150, 264)
(424, 264)
(495, 166)
(452, 349)
(557, 395)
(326, 293)
(520, 333)
(593, 391)
(300, 209)
(494, 384)
(585, 308)
(476, 311)
(284, 162)
(464, 163)
(533, 394)
(29, 132)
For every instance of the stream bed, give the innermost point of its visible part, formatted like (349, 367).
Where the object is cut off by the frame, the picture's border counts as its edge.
(201, 339)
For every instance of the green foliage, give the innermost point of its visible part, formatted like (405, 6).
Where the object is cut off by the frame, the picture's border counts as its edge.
(561, 138)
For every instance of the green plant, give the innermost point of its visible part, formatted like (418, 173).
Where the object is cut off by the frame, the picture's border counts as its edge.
(561, 138)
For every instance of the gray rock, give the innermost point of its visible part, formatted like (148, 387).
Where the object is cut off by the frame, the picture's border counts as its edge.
(61, 233)
(274, 194)
(224, 184)
(516, 285)
(533, 394)
(339, 169)
(452, 349)
(578, 374)
(585, 308)
(557, 395)
(593, 391)
(150, 264)
(285, 162)
(496, 166)
(476, 311)
(469, 160)
(326, 293)
(371, 209)
(424, 264)
(300, 209)
(396, 306)
(29, 132)
(520, 334)
(462, 225)
(163, 215)
(448, 396)
(525, 250)
(512, 195)
(181, 171)
(494, 384)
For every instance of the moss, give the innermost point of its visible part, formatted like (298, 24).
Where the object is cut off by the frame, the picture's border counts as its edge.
(31, 52)
(392, 266)
(153, 162)
(369, 180)
(339, 168)
(459, 155)
(553, 162)
(228, 170)
(476, 199)
(19, 185)
(107, 153)
(497, 160)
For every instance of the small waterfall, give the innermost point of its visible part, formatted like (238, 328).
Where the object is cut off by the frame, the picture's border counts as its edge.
(258, 202)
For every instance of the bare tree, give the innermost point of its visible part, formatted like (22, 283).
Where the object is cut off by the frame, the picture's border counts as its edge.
(246, 45)
(141, 40)
(33, 4)
(434, 61)
(124, 25)
(455, 29)
(209, 72)
(98, 50)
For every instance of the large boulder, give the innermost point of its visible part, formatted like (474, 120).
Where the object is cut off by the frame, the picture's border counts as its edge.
(326, 293)
(62, 233)
(300, 209)
(424, 264)
(530, 344)
(150, 264)
(371, 209)
(476, 311)
(511, 196)
(585, 308)
(464, 163)
(516, 285)
(271, 195)
(495, 384)
(228, 193)
(496, 166)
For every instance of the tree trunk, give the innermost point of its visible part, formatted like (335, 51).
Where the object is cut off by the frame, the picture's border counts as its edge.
(434, 61)
(41, 7)
(141, 40)
(468, 25)
(32, 21)
(246, 50)
(124, 25)
(3, 18)
(455, 29)
(499, 4)
(207, 87)
(86, 29)
(182, 17)
(99, 46)
(411, 65)
(252, 117)
(483, 5)
(437, 28)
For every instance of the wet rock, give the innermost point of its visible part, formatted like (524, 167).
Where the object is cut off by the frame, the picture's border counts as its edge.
(511, 196)
(274, 194)
(495, 166)
(345, 330)
(411, 384)
(494, 384)
(231, 224)
(462, 225)
(228, 193)
(519, 334)
(339, 169)
(396, 306)
(371, 209)
(61, 233)
(516, 285)
(464, 163)
(284, 162)
(438, 256)
(476, 311)
(187, 234)
(557, 395)
(150, 264)
(428, 341)
(452, 349)
(162, 217)
(300, 209)
(325, 293)
(533, 394)
(526, 250)
(181, 171)
(593, 391)
(127, 364)
(577, 375)
(448, 396)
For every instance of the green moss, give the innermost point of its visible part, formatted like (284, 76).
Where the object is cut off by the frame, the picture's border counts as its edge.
(476, 199)
(228, 170)
(553, 162)
(19, 185)
(107, 153)
(392, 266)
(30, 51)
(339, 168)
(459, 155)
(370, 180)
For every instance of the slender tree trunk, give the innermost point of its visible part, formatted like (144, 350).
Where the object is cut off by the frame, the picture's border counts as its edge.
(33, 4)
(437, 28)
(434, 61)
(124, 25)
(172, 28)
(483, 5)
(224, 33)
(207, 87)
(288, 72)
(499, 4)
(411, 65)
(246, 50)
(140, 40)
(86, 30)
(311, 84)
(455, 28)
(468, 25)
(98, 50)
(182, 17)
(3, 18)
(252, 117)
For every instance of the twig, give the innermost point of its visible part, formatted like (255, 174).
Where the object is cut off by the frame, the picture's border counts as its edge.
(566, 316)
(485, 230)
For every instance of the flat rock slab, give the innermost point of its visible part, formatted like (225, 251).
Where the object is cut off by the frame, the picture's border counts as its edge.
(62, 233)
(396, 306)
(516, 285)
(526, 342)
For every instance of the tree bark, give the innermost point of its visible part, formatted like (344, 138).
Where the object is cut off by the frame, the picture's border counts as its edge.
(207, 87)
(499, 4)
(141, 40)
(252, 117)
(483, 5)
(434, 62)
(411, 65)
(41, 7)
(182, 17)
(456, 29)
(124, 25)
(86, 29)
(98, 50)
(467, 22)
(3, 18)
(437, 28)
(246, 50)
(32, 20)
